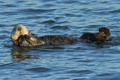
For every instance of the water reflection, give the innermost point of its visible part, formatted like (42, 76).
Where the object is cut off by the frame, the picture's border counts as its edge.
(20, 54)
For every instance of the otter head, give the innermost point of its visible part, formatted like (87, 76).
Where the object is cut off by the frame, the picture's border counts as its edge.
(18, 31)
(100, 37)
(106, 31)
(22, 37)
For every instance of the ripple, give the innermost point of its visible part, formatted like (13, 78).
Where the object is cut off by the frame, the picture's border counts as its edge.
(81, 72)
(60, 27)
(35, 11)
(39, 69)
(107, 11)
(29, 17)
(67, 1)
(2, 25)
(115, 11)
(10, 5)
(55, 47)
(106, 76)
(49, 22)
(72, 15)
(7, 43)
(4, 36)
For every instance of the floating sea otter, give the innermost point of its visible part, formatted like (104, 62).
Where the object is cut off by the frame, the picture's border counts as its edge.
(93, 37)
(101, 36)
(21, 36)
(106, 31)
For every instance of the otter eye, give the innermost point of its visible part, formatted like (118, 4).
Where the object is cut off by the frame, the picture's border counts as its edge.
(19, 29)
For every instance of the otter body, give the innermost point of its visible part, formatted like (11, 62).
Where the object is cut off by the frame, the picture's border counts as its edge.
(88, 37)
(49, 40)
(57, 39)
(21, 36)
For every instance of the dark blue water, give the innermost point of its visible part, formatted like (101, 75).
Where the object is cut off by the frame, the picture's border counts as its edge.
(79, 61)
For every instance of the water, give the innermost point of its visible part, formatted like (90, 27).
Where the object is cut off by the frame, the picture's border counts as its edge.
(79, 61)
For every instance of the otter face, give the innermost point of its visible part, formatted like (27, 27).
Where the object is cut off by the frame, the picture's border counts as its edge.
(22, 37)
(100, 36)
(106, 31)
(18, 31)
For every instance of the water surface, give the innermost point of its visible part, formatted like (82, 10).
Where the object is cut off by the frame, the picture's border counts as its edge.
(79, 61)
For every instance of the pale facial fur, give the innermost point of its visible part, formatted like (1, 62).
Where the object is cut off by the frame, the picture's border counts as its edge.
(18, 31)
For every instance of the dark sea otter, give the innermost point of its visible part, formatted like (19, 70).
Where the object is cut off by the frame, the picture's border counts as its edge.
(21, 36)
(101, 36)
(93, 37)
(106, 31)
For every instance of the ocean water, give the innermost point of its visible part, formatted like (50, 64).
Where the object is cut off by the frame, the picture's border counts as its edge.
(79, 61)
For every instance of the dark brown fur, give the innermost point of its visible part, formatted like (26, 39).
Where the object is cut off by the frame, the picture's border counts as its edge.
(93, 37)
(57, 39)
(22, 37)
(106, 31)
(52, 40)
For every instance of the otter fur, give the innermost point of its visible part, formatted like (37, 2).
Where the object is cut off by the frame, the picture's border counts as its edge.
(93, 37)
(106, 31)
(21, 36)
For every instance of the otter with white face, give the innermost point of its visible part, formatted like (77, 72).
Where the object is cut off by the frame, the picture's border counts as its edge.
(22, 37)
(18, 31)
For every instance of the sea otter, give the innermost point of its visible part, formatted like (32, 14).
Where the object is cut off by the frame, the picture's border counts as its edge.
(93, 37)
(21, 36)
(106, 31)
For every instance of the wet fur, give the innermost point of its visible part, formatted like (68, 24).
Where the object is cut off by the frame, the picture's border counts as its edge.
(28, 41)
(93, 37)
(57, 39)
(88, 37)
(106, 31)
(51, 40)
(22, 37)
